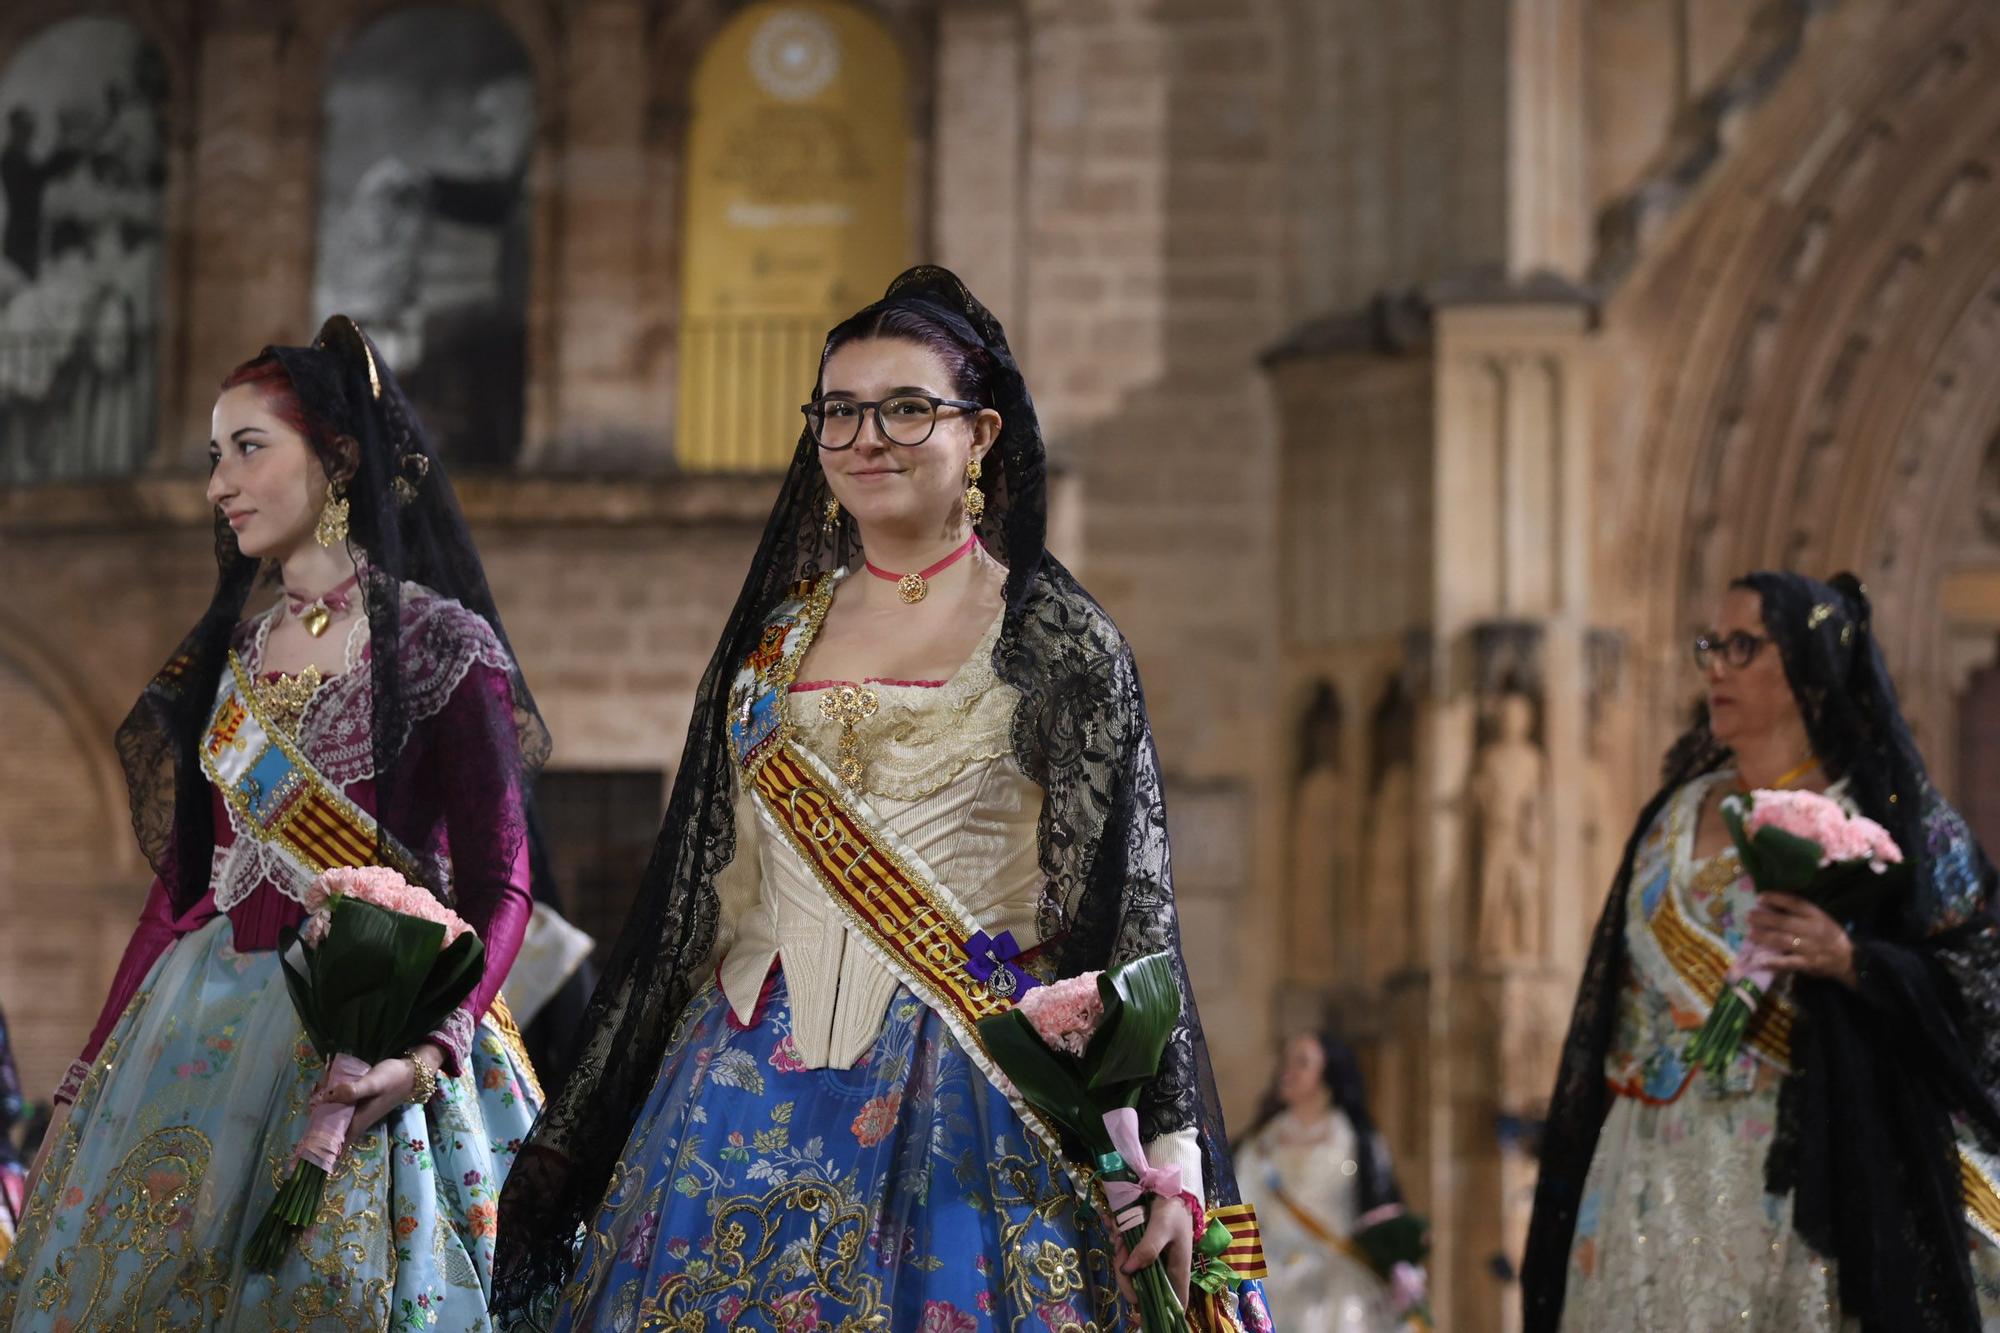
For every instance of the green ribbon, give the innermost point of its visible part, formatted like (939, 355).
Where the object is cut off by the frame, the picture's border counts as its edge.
(1212, 1275)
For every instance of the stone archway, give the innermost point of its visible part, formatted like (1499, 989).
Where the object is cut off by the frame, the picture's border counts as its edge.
(70, 876)
(1798, 376)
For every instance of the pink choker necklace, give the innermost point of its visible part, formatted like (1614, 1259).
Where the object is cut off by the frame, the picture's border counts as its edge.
(915, 587)
(316, 612)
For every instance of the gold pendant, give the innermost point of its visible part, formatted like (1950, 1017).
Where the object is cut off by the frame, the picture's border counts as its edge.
(316, 618)
(912, 587)
(850, 706)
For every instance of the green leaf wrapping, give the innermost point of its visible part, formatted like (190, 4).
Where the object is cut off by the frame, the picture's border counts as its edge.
(1142, 1006)
(1775, 860)
(299, 983)
(1402, 1239)
(376, 985)
(1789, 863)
(1732, 819)
(367, 974)
(1852, 892)
(1049, 1080)
(379, 983)
(452, 977)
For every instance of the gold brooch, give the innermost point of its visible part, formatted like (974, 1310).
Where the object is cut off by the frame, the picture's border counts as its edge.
(284, 699)
(850, 706)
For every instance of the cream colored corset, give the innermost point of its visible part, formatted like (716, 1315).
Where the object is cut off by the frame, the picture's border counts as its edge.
(940, 775)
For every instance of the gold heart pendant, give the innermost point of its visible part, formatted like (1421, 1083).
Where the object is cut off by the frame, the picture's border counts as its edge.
(315, 618)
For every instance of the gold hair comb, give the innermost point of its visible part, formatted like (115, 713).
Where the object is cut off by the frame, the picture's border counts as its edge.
(361, 341)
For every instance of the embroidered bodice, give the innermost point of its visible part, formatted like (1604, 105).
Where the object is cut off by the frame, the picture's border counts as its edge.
(457, 697)
(1317, 1167)
(1685, 920)
(938, 771)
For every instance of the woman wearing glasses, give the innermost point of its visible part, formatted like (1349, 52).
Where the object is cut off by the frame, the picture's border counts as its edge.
(1838, 1174)
(919, 784)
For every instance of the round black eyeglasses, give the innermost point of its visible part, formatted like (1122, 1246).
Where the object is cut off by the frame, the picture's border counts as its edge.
(906, 419)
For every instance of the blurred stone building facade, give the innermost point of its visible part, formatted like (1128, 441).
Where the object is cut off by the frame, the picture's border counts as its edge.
(1418, 373)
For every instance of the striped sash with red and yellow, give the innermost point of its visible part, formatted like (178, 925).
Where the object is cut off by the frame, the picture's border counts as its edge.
(283, 801)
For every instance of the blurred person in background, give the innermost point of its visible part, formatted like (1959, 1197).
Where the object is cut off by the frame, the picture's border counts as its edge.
(1314, 1165)
(1838, 1172)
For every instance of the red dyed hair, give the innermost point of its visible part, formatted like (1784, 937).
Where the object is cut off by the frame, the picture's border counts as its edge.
(269, 376)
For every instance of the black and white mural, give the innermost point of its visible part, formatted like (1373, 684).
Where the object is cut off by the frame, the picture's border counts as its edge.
(423, 222)
(82, 192)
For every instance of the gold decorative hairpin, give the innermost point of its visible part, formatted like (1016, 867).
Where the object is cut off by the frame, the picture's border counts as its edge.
(1818, 616)
(406, 486)
(361, 340)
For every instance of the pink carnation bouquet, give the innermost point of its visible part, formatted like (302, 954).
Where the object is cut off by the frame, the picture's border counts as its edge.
(377, 967)
(1803, 843)
(1081, 1051)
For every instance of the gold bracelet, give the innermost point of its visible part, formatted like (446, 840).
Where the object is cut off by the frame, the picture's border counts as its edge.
(423, 1080)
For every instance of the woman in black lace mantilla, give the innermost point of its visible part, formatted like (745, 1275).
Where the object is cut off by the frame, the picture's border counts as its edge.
(1837, 1171)
(747, 1037)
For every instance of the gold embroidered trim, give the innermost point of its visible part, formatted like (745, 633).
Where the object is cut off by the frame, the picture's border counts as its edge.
(921, 739)
(1982, 1198)
(284, 699)
(502, 1020)
(907, 920)
(320, 828)
(1703, 964)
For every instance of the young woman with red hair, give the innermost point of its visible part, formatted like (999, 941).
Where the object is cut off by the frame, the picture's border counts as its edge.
(373, 714)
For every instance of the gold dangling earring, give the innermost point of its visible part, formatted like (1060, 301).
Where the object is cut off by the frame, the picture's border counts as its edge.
(331, 530)
(975, 499)
(830, 518)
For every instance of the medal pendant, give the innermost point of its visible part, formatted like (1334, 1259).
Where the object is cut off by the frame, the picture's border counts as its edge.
(912, 587)
(316, 618)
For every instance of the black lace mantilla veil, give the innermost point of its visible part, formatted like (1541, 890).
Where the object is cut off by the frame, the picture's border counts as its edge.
(1864, 1141)
(405, 518)
(1080, 731)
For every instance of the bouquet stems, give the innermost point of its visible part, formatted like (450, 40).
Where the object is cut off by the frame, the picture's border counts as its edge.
(290, 1213)
(319, 1152)
(1720, 1038)
(1160, 1310)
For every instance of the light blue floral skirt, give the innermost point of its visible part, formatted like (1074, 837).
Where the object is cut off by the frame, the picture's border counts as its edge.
(902, 1194)
(180, 1138)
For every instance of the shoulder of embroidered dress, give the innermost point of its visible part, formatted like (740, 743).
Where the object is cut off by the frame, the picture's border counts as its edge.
(798, 599)
(447, 620)
(245, 631)
(1686, 799)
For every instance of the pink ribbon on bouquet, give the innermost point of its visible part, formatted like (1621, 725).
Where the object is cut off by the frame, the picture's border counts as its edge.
(1752, 964)
(1123, 1126)
(326, 1128)
(1407, 1287)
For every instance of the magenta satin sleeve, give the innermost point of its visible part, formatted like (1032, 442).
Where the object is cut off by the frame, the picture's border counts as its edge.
(476, 762)
(157, 928)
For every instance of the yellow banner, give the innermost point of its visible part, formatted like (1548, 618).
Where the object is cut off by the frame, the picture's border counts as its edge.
(797, 214)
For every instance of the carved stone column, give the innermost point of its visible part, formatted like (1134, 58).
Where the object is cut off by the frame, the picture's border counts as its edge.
(1505, 769)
